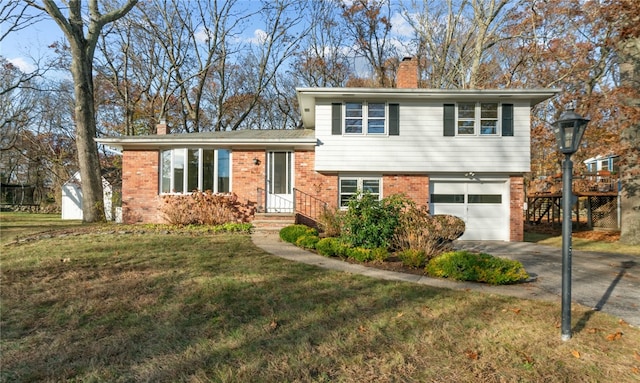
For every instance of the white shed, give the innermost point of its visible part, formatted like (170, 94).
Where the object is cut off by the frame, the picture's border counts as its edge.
(72, 198)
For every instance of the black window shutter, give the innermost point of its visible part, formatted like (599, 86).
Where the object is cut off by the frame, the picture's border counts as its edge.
(336, 118)
(449, 121)
(507, 119)
(394, 119)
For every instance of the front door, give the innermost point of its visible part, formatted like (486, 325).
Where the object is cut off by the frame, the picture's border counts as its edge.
(279, 182)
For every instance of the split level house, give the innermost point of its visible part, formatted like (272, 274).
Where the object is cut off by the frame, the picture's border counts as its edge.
(461, 152)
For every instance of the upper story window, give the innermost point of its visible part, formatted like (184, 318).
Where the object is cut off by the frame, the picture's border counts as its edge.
(185, 170)
(365, 118)
(478, 119)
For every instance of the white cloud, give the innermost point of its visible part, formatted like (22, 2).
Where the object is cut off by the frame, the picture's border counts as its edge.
(259, 37)
(400, 27)
(22, 64)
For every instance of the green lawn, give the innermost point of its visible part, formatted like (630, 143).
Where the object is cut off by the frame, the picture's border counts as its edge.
(150, 304)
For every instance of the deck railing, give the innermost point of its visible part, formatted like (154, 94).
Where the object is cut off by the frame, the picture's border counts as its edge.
(592, 182)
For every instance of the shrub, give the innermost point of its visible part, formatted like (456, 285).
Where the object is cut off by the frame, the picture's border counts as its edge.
(291, 233)
(330, 221)
(418, 230)
(360, 254)
(369, 222)
(379, 254)
(413, 257)
(307, 241)
(203, 208)
(327, 246)
(477, 267)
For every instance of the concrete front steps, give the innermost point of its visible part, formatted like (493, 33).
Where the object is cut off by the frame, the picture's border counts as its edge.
(272, 222)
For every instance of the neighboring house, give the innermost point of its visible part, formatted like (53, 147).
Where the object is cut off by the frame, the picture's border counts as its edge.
(601, 163)
(462, 152)
(72, 196)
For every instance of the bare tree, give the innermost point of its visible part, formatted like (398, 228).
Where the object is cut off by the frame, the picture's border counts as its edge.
(322, 60)
(82, 32)
(368, 23)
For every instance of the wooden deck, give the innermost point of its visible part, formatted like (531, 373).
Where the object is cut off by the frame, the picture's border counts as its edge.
(596, 198)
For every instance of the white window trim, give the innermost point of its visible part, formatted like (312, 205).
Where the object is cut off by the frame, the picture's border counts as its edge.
(185, 176)
(365, 118)
(359, 188)
(477, 127)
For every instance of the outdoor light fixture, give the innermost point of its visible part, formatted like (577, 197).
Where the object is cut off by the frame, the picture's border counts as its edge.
(568, 130)
(256, 161)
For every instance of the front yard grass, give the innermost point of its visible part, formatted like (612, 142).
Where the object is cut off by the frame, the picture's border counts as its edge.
(183, 306)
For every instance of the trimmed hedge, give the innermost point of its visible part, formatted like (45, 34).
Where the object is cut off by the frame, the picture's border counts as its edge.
(293, 232)
(476, 267)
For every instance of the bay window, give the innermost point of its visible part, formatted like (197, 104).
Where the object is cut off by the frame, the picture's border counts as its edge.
(185, 170)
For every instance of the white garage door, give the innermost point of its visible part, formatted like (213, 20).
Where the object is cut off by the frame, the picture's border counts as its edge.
(484, 207)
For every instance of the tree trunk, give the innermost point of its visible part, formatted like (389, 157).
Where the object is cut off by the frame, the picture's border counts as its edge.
(629, 53)
(88, 160)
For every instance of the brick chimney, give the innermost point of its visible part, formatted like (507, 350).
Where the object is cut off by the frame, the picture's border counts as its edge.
(162, 128)
(407, 76)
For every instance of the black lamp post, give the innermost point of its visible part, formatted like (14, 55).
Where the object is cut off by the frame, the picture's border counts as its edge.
(568, 130)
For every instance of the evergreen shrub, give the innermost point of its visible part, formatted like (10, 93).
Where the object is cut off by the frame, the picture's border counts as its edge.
(477, 267)
(291, 233)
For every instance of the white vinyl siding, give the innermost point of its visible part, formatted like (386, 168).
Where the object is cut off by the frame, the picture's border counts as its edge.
(421, 146)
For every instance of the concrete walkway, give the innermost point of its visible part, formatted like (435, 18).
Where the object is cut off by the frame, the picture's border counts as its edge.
(603, 281)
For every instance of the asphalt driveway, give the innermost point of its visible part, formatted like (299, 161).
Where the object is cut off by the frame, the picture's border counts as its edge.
(603, 281)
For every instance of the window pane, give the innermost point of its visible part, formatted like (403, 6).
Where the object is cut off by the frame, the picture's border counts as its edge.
(489, 127)
(178, 171)
(489, 110)
(447, 198)
(371, 186)
(224, 185)
(376, 110)
(348, 186)
(193, 170)
(375, 126)
(166, 171)
(208, 165)
(466, 127)
(467, 110)
(279, 177)
(485, 198)
(354, 109)
(353, 126)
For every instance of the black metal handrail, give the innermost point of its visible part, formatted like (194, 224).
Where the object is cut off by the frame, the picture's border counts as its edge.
(307, 205)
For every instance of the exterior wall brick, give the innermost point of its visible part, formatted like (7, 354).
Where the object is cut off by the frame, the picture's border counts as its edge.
(414, 186)
(516, 223)
(246, 176)
(140, 199)
(321, 186)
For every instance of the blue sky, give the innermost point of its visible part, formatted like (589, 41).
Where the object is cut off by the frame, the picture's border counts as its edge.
(25, 47)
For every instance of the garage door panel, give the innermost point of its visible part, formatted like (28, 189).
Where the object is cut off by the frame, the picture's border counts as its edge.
(484, 207)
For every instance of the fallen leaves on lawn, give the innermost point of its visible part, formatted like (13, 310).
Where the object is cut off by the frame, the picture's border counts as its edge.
(614, 336)
(575, 353)
(473, 355)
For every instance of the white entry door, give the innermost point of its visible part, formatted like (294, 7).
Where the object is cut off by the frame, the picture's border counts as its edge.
(483, 206)
(280, 182)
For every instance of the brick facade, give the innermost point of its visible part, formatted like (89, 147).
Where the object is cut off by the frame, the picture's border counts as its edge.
(516, 205)
(140, 199)
(414, 186)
